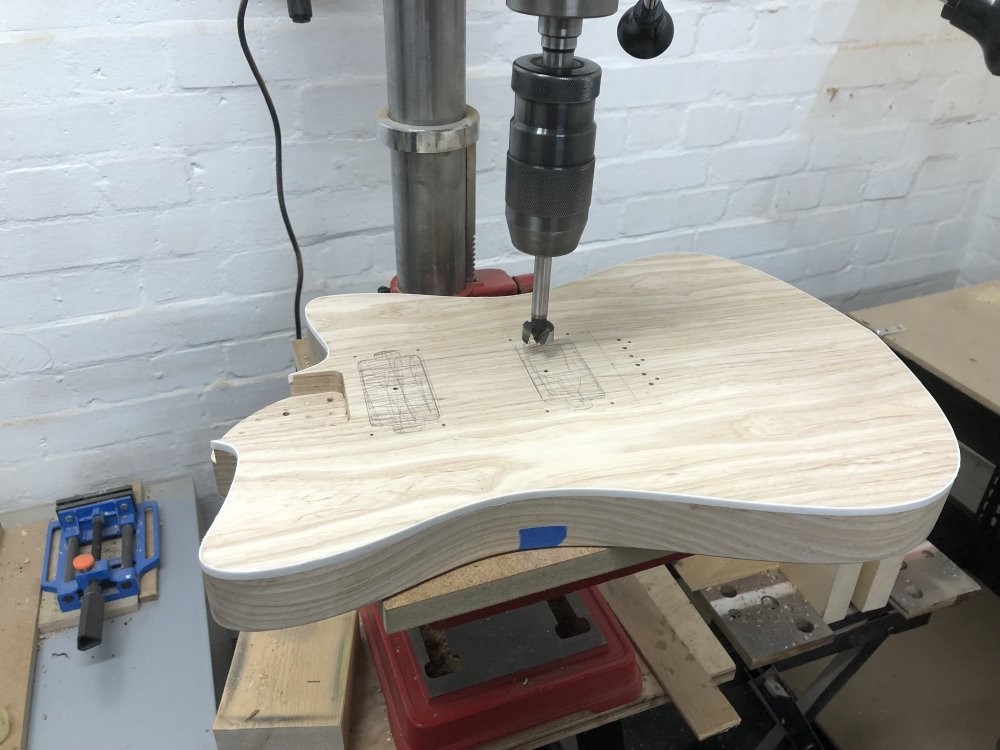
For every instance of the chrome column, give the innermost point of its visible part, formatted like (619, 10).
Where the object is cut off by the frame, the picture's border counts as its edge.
(432, 134)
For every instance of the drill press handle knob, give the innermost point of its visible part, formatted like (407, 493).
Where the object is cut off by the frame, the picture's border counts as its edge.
(980, 19)
(646, 30)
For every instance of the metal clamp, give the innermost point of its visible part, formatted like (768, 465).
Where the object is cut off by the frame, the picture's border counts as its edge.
(889, 330)
(428, 139)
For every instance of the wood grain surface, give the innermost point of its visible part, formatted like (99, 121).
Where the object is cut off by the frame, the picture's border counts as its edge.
(689, 403)
(688, 684)
(290, 689)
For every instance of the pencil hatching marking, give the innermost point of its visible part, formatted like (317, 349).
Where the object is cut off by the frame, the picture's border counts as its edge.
(560, 374)
(398, 392)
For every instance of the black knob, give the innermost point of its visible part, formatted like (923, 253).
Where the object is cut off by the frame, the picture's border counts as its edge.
(300, 11)
(646, 32)
(980, 19)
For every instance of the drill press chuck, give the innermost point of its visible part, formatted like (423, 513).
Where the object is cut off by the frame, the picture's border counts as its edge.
(550, 165)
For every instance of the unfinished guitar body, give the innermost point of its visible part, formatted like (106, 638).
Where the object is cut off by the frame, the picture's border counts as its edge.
(688, 403)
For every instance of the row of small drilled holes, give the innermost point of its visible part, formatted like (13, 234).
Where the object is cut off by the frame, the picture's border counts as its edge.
(625, 344)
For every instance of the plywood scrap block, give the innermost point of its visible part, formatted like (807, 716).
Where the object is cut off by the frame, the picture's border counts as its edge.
(503, 578)
(290, 688)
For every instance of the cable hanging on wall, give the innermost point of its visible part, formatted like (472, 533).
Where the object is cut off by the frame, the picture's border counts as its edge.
(278, 166)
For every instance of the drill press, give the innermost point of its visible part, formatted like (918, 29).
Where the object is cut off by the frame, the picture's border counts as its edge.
(550, 165)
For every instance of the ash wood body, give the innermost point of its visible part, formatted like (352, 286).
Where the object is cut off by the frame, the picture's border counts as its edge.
(736, 416)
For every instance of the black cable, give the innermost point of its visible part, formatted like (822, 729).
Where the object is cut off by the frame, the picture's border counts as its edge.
(279, 176)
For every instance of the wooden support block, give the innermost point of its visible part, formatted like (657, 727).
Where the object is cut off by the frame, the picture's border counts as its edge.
(21, 554)
(302, 354)
(502, 578)
(828, 588)
(875, 583)
(704, 708)
(290, 689)
(671, 600)
(701, 571)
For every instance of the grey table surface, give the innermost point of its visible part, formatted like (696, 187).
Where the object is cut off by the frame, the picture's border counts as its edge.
(149, 684)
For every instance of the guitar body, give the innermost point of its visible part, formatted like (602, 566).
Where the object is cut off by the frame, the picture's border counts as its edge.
(687, 403)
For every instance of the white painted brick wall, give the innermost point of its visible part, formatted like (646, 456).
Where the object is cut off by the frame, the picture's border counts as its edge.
(848, 147)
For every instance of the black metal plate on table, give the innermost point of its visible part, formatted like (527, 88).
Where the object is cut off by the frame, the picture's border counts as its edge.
(503, 644)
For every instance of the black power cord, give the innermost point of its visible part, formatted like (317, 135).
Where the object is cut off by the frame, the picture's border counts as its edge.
(278, 169)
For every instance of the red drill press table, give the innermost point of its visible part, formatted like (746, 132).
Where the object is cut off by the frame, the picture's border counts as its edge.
(369, 721)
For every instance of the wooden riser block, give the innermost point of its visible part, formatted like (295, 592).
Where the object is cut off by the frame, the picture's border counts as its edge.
(705, 710)
(290, 689)
(504, 578)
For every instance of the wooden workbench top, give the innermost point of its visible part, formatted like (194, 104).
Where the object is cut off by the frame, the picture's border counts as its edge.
(689, 403)
(954, 335)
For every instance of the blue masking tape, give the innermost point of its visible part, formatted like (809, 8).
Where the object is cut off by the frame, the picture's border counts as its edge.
(542, 537)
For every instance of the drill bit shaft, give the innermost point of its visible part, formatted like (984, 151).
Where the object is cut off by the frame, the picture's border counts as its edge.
(540, 289)
(539, 328)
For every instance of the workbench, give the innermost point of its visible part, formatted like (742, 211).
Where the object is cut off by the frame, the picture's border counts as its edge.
(149, 684)
(951, 341)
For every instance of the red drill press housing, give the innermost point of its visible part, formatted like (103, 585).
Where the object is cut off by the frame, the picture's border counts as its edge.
(594, 680)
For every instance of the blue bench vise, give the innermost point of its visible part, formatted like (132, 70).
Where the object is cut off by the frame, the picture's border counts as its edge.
(85, 580)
